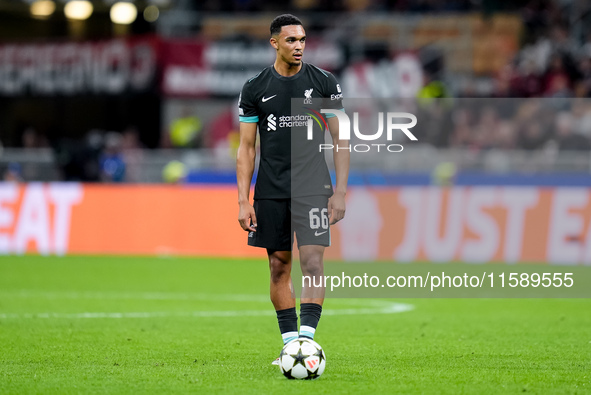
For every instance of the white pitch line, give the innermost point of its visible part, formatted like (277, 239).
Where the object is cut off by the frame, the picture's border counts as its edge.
(31, 294)
(367, 306)
(138, 295)
(390, 308)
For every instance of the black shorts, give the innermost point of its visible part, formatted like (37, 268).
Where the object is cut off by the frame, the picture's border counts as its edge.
(279, 219)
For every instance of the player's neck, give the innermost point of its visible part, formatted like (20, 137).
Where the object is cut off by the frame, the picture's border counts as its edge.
(285, 69)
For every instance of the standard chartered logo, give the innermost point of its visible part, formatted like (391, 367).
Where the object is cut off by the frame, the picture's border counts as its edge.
(293, 121)
(286, 121)
(271, 122)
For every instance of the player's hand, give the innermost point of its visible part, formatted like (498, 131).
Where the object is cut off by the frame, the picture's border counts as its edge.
(336, 207)
(247, 217)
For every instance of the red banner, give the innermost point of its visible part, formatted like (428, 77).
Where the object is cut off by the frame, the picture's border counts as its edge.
(192, 68)
(107, 67)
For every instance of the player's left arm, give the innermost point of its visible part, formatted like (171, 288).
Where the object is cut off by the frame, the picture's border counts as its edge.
(336, 203)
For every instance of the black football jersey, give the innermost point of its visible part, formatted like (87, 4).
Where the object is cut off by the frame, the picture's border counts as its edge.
(290, 165)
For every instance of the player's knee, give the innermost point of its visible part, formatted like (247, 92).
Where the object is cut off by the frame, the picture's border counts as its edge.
(313, 266)
(279, 274)
(280, 267)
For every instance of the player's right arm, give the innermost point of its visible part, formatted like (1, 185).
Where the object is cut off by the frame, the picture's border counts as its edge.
(245, 161)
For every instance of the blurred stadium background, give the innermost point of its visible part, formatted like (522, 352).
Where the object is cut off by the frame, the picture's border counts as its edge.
(104, 92)
(118, 132)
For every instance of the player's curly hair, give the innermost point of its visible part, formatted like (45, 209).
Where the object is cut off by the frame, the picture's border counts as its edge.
(283, 20)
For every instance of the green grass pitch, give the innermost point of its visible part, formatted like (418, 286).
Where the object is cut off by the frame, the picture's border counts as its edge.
(128, 325)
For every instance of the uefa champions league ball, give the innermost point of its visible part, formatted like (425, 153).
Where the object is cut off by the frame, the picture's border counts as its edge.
(302, 359)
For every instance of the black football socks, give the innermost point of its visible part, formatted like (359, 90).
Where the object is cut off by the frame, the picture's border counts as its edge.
(309, 317)
(288, 324)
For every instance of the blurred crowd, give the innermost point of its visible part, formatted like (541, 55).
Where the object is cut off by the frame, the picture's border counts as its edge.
(555, 55)
(537, 100)
(102, 156)
(342, 5)
(554, 63)
(505, 123)
(553, 66)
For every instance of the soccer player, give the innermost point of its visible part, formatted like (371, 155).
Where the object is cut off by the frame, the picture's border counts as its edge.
(293, 192)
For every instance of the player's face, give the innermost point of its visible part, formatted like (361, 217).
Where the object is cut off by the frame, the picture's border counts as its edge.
(290, 44)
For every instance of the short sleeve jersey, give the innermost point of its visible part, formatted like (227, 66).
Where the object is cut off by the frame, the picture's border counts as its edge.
(291, 165)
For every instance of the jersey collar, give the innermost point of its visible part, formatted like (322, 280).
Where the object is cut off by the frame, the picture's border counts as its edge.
(293, 77)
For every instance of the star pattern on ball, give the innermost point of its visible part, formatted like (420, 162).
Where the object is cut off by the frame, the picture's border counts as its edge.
(299, 357)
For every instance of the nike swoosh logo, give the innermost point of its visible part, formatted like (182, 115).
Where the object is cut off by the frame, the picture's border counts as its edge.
(321, 233)
(264, 99)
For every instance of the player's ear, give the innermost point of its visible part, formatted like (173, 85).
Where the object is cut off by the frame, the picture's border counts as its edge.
(274, 42)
